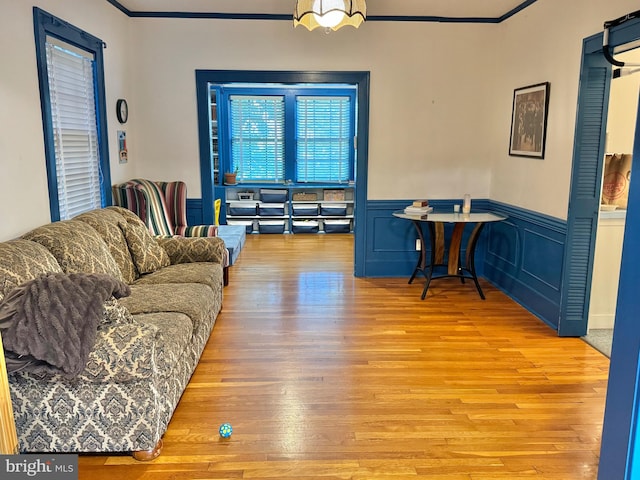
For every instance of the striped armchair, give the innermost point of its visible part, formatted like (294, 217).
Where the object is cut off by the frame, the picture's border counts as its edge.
(162, 206)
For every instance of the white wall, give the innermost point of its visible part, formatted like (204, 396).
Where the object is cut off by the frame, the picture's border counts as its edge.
(544, 43)
(428, 84)
(623, 106)
(24, 198)
(440, 96)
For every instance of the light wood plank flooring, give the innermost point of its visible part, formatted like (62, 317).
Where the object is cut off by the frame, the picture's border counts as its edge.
(324, 375)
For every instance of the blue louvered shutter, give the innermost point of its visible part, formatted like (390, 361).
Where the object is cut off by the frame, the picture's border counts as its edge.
(324, 133)
(257, 137)
(585, 197)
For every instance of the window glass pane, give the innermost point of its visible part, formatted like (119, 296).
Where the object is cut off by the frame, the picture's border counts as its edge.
(257, 137)
(323, 139)
(73, 117)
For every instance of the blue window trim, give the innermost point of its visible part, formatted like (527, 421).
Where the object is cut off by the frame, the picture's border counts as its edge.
(46, 24)
(290, 94)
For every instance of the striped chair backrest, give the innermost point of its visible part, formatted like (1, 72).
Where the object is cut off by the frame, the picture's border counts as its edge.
(146, 199)
(175, 198)
(162, 206)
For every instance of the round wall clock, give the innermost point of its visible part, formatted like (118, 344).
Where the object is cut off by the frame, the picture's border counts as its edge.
(122, 110)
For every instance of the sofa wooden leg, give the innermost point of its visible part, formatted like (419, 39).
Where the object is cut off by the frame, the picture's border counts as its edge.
(146, 455)
(225, 276)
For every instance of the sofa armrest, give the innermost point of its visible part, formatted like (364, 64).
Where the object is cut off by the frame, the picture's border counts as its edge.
(123, 353)
(194, 249)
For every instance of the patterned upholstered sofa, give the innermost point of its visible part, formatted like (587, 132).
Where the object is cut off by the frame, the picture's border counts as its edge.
(147, 344)
(162, 206)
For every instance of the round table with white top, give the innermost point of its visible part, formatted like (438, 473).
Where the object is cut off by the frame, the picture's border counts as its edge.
(439, 250)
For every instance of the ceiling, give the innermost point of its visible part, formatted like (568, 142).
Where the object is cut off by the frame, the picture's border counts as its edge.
(408, 10)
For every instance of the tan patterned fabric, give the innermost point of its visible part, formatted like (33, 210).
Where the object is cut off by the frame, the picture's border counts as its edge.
(147, 255)
(77, 247)
(109, 224)
(197, 301)
(172, 340)
(147, 347)
(194, 249)
(22, 261)
(204, 272)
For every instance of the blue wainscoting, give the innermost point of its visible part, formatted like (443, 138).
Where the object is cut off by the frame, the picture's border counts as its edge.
(522, 256)
(194, 211)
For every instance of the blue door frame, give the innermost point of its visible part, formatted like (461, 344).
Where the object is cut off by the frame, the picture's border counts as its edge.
(588, 162)
(619, 453)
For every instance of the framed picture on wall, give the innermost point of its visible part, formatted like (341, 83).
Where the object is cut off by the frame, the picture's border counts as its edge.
(529, 121)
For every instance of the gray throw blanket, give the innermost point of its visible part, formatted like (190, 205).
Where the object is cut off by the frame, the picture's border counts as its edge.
(49, 324)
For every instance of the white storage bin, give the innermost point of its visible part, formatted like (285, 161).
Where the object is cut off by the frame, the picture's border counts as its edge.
(271, 226)
(242, 208)
(270, 195)
(305, 209)
(337, 226)
(271, 209)
(305, 226)
(333, 209)
(247, 223)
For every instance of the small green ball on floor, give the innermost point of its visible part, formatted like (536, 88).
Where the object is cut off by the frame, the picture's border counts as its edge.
(225, 430)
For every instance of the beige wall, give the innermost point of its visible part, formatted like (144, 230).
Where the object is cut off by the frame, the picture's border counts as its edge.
(544, 43)
(24, 198)
(440, 96)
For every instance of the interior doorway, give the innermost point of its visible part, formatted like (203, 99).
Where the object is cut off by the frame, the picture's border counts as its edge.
(619, 142)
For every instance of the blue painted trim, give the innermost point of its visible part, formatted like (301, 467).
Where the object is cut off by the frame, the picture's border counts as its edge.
(289, 94)
(120, 7)
(361, 79)
(289, 17)
(46, 24)
(516, 9)
(620, 430)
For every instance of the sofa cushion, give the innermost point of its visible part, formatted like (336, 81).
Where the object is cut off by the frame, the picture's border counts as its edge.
(195, 300)
(172, 341)
(109, 224)
(206, 273)
(147, 255)
(77, 247)
(22, 261)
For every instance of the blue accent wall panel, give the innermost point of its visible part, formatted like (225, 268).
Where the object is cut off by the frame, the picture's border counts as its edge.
(194, 212)
(525, 258)
(391, 241)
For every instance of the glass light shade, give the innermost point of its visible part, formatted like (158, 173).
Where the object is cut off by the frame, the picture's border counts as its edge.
(329, 14)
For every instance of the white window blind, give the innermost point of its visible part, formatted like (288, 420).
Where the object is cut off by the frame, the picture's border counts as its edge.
(257, 137)
(323, 139)
(73, 115)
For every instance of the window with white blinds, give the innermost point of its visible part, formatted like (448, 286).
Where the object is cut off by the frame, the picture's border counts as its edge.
(280, 133)
(257, 137)
(323, 139)
(75, 132)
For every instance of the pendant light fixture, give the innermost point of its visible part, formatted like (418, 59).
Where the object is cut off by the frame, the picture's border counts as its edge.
(329, 14)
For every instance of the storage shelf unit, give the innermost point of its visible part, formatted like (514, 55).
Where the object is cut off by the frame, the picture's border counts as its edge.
(291, 209)
(215, 156)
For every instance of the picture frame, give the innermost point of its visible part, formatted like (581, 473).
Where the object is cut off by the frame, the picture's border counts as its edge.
(529, 121)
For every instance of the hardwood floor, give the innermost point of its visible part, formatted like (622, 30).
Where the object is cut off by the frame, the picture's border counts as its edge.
(324, 375)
